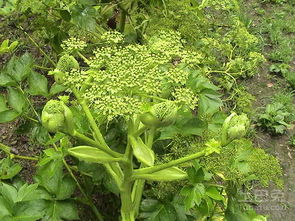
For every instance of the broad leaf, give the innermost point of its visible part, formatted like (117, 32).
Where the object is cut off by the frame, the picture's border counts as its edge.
(8, 116)
(38, 84)
(6, 80)
(193, 195)
(20, 68)
(29, 211)
(60, 210)
(153, 210)
(16, 99)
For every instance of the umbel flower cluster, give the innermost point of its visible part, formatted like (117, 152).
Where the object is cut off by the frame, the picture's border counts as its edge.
(124, 80)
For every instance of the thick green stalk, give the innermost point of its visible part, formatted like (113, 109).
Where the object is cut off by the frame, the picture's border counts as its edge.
(172, 163)
(123, 20)
(114, 166)
(139, 183)
(127, 209)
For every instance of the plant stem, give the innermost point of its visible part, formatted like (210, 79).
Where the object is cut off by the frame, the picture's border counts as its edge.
(41, 50)
(172, 163)
(83, 57)
(5, 148)
(30, 103)
(24, 157)
(127, 209)
(41, 67)
(114, 167)
(90, 119)
(123, 20)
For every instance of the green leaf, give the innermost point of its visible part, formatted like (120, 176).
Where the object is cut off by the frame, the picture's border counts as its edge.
(195, 175)
(142, 152)
(5, 209)
(193, 195)
(66, 189)
(6, 80)
(25, 191)
(38, 84)
(20, 68)
(16, 99)
(84, 18)
(8, 116)
(3, 106)
(153, 210)
(209, 103)
(91, 154)
(213, 193)
(61, 210)
(9, 193)
(56, 88)
(29, 211)
(8, 169)
(169, 174)
(50, 176)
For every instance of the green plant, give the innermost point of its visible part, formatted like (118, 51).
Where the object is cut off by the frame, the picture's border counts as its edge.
(139, 107)
(278, 115)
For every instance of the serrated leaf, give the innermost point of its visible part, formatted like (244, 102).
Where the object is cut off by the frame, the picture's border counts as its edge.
(25, 191)
(91, 154)
(169, 174)
(193, 195)
(61, 210)
(50, 176)
(195, 175)
(20, 68)
(153, 210)
(38, 84)
(29, 211)
(16, 99)
(142, 152)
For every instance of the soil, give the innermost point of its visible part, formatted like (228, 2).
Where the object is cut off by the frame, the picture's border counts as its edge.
(278, 204)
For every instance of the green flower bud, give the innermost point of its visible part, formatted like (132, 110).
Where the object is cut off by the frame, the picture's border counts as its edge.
(160, 115)
(66, 63)
(234, 127)
(56, 116)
